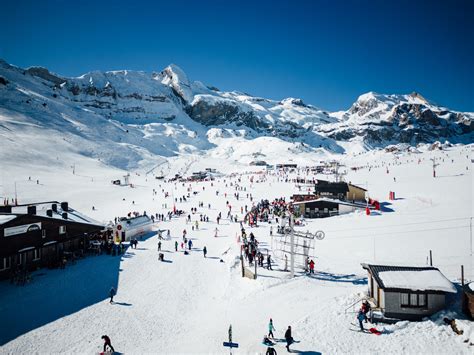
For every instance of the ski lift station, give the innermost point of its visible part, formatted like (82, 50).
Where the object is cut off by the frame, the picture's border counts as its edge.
(128, 228)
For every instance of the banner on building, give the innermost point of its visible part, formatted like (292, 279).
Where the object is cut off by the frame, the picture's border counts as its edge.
(25, 228)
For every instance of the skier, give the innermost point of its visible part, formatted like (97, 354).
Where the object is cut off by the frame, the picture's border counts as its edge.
(159, 245)
(271, 351)
(360, 318)
(365, 309)
(288, 338)
(176, 246)
(107, 343)
(311, 266)
(190, 244)
(112, 293)
(204, 250)
(215, 232)
(271, 328)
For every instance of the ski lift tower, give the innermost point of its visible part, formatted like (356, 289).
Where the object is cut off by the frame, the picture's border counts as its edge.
(335, 166)
(296, 243)
(126, 179)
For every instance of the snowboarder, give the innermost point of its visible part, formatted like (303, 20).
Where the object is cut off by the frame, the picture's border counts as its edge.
(271, 328)
(107, 343)
(159, 245)
(204, 250)
(112, 293)
(176, 246)
(288, 338)
(267, 341)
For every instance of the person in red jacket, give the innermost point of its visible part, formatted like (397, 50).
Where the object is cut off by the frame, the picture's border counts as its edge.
(311, 267)
(107, 343)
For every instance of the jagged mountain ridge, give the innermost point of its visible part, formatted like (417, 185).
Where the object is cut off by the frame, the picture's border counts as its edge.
(167, 114)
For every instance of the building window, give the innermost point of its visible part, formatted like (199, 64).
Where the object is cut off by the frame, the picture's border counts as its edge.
(43, 233)
(62, 229)
(36, 254)
(413, 299)
(19, 258)
(5, 263)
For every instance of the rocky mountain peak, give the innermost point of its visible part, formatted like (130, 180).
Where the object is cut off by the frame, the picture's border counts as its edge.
(175, 77)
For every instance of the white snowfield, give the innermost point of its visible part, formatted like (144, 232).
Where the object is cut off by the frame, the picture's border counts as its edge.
(186, 304)
(425, 280)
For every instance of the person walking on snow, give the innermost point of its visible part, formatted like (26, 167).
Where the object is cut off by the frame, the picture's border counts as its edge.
(215, 232)
(271, 328)
(176, 245)
(107, 343)
(288, 338)
(204, 250)
(159, 245)
(269, 262)
(112, 293)
(311, 267)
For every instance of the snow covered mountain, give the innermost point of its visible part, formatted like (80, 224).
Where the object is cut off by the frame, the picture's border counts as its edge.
(126, 118)
(391, 119)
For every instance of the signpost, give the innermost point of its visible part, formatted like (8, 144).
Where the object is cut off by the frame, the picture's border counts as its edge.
(229, 344)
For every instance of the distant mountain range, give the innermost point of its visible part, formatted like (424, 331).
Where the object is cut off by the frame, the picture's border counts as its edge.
(164, 113)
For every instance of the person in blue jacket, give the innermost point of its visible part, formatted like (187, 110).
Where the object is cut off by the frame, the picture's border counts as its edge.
(271, 328)
(360, 318)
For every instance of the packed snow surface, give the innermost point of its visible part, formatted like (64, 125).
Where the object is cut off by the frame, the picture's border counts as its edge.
(423, 280)
(186, 304)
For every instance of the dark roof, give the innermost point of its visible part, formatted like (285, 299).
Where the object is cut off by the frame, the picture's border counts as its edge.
(376, 269)
(357, 187)
(331, 187)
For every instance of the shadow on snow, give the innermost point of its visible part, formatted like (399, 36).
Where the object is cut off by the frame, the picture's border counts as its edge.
(54, 294)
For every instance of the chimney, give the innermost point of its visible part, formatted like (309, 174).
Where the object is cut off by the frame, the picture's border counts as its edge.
(54, 207)
(64, 206)
(64, 215)
(49, 213)
(31, 210)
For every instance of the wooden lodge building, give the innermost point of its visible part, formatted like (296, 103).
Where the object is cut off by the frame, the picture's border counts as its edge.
(330, 199)
(41, 234)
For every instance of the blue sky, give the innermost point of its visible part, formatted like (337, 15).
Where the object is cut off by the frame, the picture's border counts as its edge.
(325, 52)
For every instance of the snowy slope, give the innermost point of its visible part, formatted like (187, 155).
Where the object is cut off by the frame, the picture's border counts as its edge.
(186, 305)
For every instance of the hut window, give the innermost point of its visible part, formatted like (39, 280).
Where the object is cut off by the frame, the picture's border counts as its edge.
(37, 254)
(62, 229)
(413, 299)
(422, 300)
(5, 263)
(404, 299)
